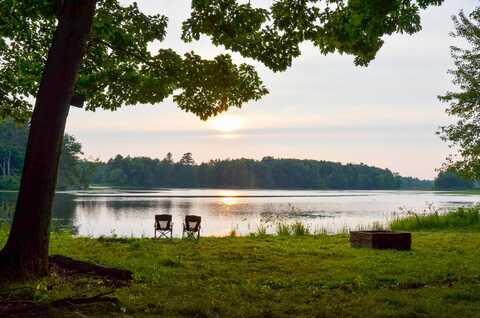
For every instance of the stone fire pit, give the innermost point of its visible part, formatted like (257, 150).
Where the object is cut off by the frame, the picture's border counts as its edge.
(381, 239)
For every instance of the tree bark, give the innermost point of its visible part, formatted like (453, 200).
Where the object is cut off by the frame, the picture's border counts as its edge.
(25, 254)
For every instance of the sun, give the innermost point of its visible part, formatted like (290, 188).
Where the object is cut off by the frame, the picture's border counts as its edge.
(226, 123)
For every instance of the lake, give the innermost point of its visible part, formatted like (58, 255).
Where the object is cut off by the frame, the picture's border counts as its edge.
(108, 211)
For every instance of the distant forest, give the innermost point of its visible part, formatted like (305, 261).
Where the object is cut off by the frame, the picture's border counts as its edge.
(74, 173)
(268, 173)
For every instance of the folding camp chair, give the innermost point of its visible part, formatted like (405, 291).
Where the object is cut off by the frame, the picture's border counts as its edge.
(163, 225)
(191, 227)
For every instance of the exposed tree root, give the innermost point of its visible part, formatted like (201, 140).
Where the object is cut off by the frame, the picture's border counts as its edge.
(69, 269)
(67, 266)
(118, 277)
(22, 309)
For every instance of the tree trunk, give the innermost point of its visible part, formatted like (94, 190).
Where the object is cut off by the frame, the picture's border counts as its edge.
(9, 158)
(25, 254)
(3, 167)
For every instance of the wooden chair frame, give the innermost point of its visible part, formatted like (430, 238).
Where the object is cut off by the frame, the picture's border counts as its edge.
(163, 231)
(189, 231)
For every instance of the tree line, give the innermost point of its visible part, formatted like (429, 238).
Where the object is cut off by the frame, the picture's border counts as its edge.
(74, 173)
(269, 173)
(451, 180)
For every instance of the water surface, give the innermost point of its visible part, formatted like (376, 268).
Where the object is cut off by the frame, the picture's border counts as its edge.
(107, 211)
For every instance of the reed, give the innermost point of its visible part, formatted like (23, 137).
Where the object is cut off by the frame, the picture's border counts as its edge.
(461, 218)
(299, 229)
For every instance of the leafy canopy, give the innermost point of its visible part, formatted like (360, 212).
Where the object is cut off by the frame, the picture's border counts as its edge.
(464, 135)
(119, 69)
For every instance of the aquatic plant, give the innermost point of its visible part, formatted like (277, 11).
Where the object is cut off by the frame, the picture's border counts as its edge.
(299, 229)
(461, 218)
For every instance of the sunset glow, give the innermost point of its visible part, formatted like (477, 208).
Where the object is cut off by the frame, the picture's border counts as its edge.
(226, 123)
(229, 200)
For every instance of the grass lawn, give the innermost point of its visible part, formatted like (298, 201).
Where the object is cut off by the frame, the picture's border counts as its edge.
(272, 276)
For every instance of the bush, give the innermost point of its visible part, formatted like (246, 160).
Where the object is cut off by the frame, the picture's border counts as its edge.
(462, 218)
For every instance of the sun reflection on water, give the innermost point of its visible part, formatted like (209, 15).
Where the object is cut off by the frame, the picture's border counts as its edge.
(229, 197)
(229, 200)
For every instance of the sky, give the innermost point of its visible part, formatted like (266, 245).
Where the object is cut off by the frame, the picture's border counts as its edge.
(323, 107)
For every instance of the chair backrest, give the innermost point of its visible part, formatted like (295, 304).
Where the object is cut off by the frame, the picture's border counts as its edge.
(192, 222)
(163, 221)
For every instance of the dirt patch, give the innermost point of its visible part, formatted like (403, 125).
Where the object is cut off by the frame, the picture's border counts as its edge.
(68, 267)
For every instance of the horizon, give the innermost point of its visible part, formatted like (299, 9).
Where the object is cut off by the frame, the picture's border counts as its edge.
(176, 159)
(322, 108)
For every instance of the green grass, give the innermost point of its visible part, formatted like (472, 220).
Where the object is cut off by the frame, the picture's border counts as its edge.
(273, 276)
(459, 219)
(296, 228)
